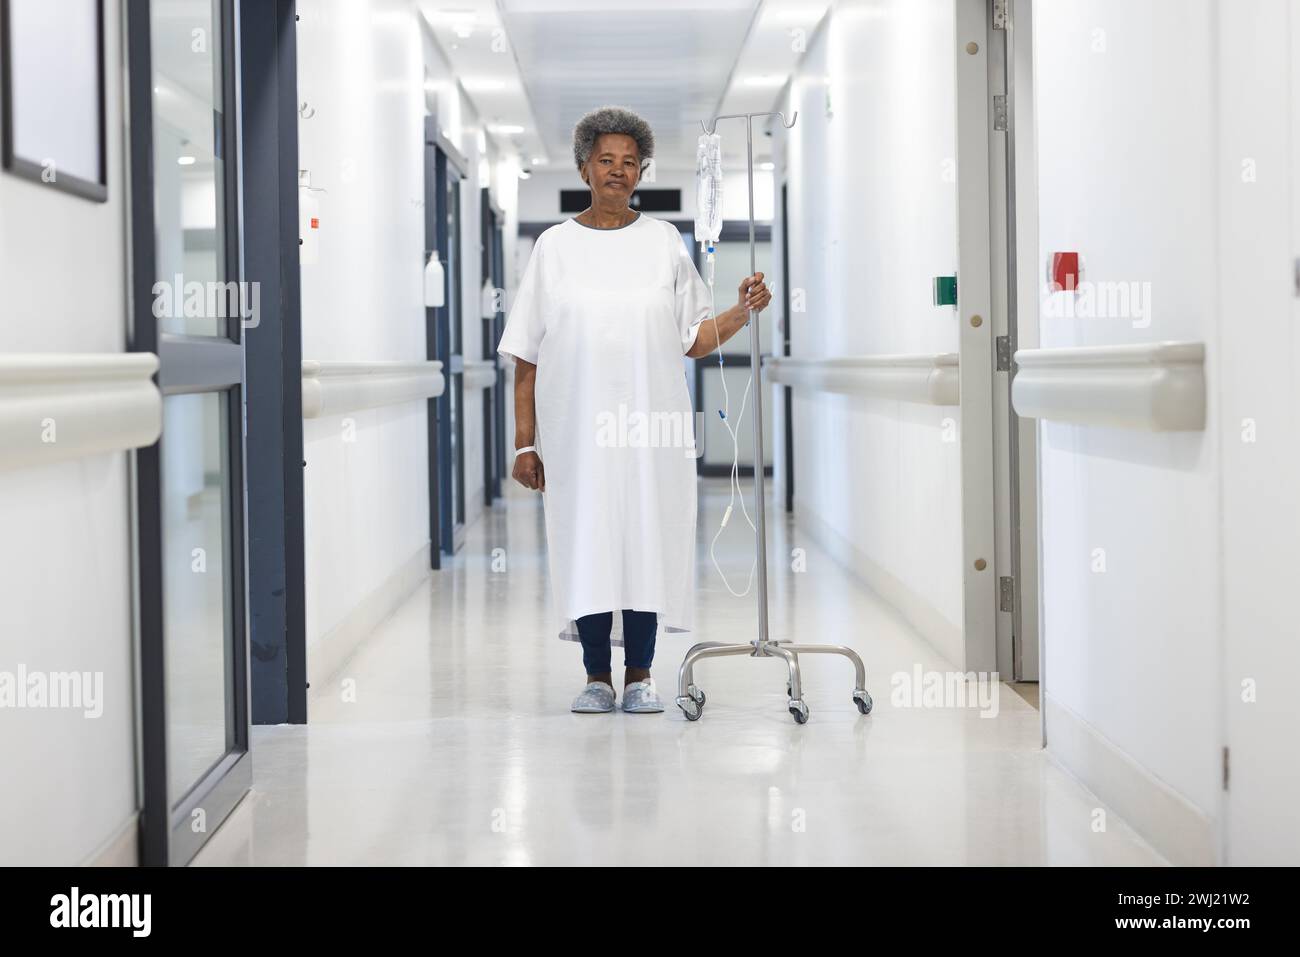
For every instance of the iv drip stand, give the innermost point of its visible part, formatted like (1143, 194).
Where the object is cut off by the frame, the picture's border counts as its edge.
(690, 698)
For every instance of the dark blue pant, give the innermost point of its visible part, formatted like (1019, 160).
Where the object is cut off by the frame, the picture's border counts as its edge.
(639, 629)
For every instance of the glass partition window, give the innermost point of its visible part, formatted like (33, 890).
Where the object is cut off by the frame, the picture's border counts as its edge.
(196, 586)
(198, 306)
(189, 179)
(731, 266)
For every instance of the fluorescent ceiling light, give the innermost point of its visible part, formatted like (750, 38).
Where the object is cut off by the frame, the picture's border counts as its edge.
(452, 17)
(186, 160)
(793, 14)
(461, 22)
(482, 84)
(769, 80)
(626, 6)
(506, 129)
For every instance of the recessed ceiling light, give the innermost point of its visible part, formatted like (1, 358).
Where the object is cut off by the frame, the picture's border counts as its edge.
(506, 129)
(766, 166)
(186, 160)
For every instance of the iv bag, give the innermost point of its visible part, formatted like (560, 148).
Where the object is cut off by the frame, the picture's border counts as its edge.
(708, 189)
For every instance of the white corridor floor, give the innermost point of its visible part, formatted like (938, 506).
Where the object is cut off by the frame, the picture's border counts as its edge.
(459, 747)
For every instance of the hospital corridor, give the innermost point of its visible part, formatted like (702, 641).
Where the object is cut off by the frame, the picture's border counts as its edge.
(663, 433)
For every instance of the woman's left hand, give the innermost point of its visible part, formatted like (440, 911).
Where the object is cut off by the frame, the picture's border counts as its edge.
(754, 294)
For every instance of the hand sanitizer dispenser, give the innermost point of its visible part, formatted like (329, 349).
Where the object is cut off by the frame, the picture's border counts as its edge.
(435, 282)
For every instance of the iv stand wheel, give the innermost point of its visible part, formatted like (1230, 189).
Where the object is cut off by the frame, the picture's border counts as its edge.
(863, 700)
(798, 711)
(692, 703)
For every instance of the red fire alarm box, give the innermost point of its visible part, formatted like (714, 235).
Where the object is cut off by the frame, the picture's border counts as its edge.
(1066, 272)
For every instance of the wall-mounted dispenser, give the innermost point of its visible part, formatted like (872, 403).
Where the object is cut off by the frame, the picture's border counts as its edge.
(435, 283)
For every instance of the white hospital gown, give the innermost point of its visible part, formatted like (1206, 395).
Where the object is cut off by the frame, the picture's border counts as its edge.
(606, 315)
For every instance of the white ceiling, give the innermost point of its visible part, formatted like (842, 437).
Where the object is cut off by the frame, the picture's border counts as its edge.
(533, 67)
(666, 59)
(776, 43)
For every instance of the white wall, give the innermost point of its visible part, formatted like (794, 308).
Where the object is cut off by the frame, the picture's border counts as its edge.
(360, 67)
(65, 549)
(1146, 113)
(372, 72)
(465, 129)
(872, 209)
(1259, 313)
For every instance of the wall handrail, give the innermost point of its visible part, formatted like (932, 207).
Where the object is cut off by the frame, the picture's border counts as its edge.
(480, 373)
(329, 388)
(930, 379)
(55, 407)
(1154, 387)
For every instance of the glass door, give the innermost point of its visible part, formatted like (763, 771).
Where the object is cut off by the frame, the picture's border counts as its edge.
(190, 308)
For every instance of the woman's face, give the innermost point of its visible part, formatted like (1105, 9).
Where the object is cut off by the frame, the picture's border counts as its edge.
(614, 167)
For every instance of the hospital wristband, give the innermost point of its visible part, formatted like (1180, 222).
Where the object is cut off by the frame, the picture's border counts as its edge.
(526, 448)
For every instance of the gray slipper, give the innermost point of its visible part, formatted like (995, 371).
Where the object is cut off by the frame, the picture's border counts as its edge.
(640, 697)
(596, 698)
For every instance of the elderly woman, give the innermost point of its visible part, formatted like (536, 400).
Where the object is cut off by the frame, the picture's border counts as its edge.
(607, 307)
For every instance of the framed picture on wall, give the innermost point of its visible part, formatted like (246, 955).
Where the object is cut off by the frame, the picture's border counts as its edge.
(52, 124)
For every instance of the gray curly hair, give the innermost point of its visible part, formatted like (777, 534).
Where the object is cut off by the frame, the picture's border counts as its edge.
(612, 119)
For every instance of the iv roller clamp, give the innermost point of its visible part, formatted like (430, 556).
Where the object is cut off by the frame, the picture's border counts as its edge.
(689, 697)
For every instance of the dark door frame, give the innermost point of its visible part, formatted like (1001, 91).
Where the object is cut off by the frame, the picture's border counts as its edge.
(187, 364)
(445, 168)
(498, 266)
(273, 363)
(494, 413)
(431, 348)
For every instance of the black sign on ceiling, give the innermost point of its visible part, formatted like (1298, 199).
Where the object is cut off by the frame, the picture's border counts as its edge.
(646, 200)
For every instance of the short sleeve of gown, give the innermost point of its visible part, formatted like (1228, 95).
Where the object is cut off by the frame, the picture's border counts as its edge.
(692, 295)
(526, 323)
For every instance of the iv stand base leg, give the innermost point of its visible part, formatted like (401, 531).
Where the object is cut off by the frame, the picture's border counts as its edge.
(691, 699)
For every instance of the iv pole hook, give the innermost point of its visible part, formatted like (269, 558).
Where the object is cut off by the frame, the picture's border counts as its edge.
(748, 116)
